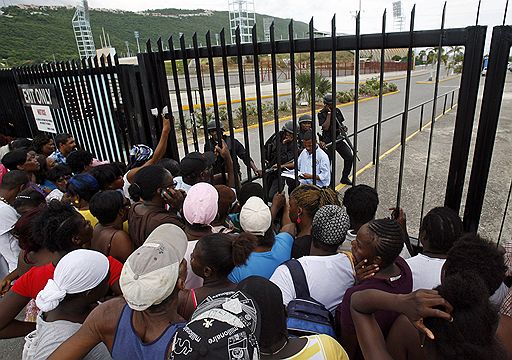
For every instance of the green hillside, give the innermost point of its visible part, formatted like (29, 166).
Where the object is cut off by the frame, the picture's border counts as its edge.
(30, 35)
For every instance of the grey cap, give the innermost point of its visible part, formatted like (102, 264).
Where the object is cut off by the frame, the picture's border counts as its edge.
(288, 126)
(212, 125)
(305, 118)
(328, 98)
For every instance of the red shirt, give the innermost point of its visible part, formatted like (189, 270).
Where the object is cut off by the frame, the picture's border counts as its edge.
(34, 280)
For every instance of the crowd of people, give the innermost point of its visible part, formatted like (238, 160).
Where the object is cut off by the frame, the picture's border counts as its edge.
(165, 259)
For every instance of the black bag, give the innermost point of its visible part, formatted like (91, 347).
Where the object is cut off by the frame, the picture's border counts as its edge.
(306, 316)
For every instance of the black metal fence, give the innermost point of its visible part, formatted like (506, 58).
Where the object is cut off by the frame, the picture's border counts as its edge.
(107, 106)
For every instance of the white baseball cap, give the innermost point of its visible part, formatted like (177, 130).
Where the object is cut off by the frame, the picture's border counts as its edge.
(150, 273)
(255, 216)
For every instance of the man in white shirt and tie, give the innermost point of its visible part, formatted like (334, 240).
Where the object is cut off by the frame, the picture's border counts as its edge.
(305, 163)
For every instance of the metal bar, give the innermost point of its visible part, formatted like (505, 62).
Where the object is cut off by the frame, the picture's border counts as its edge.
(243, 105)
(276, 104)
(478, 12)
(468, 93)
(179, 103)
(213, 88)
(406, 109)
(504, 213)
(257, 83)
(228, 104)
(313, 93)
(433, 120)
(374, 144)
(334, 124)
(423, 38)
(103, 147)
(505, 13)
(200, 85)
(88, 109)
(120, 108)
(453, 95)
(113, 134)
(189, 92)
(421, 118)
(86, 140)
(381, 86)
(356, 96)
(294, 99)
(487, 125)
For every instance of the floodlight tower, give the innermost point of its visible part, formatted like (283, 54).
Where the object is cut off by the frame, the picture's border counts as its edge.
(82, 29)
(267, 22)
(398, 16)
(241, 13)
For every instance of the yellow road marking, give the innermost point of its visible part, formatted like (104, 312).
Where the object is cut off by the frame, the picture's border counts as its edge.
(433, 82)
(370, 164)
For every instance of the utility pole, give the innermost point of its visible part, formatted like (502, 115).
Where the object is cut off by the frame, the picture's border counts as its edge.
(128, 47)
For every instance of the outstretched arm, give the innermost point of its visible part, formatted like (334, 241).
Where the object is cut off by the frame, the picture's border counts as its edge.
(160, 149)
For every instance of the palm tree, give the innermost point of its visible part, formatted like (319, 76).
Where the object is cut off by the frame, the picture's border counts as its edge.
(303, 83)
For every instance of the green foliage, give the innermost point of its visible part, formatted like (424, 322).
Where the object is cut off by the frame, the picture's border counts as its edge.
(303, 83)
(370, 87)
(41, 34)
(396, 58)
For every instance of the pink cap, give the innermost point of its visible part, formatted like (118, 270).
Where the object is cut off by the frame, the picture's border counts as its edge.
(200, 205)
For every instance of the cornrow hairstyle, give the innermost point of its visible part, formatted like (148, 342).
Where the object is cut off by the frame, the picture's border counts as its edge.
(311, 198)
(222, 252)
(390, 239)
(54, 227)
(473, 253)
(441, 227)
(471, 333)
(361, 202)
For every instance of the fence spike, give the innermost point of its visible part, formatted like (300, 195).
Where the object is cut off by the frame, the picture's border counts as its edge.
(478, 12)
(505, 13)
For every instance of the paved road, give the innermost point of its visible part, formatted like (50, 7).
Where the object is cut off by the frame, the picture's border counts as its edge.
(368, 113)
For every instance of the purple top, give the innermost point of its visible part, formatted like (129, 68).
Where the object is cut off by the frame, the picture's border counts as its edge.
(385, 319)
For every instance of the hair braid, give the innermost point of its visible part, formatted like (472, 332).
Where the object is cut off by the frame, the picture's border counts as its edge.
(390, 239)
(311, 198)
(441, 227)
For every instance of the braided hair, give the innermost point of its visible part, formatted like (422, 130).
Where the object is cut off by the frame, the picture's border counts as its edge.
(441, 227)
(389, 239)
(311, 198)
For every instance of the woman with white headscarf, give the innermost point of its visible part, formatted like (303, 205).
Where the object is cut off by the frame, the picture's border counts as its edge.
(80, 280)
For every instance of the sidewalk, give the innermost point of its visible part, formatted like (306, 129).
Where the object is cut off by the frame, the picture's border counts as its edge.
(283, 89)
(414, 172)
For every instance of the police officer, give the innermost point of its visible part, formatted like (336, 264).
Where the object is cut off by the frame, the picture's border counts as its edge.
(305, 123)
(238, 150)
(325, 119)
(287, 158)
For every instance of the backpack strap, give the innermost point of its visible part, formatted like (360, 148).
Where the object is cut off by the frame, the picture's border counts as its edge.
(299, 279)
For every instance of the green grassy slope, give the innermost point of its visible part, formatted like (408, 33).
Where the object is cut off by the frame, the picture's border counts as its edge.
(37, 34)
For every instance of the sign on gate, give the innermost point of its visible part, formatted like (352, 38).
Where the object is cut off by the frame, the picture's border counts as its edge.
(39, 94)
(44, 119)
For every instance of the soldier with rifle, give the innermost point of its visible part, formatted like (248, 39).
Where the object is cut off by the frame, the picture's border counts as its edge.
(342, 143)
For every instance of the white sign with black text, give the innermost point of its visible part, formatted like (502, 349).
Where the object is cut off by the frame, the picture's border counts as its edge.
(44, 119)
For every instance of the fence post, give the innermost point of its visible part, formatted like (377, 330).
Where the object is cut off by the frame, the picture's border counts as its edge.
(468, 92)
(487, 125)
(444, 106)
(374, 144)
(421, 117)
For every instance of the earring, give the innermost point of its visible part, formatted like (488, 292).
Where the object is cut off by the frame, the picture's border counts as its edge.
(298, 220)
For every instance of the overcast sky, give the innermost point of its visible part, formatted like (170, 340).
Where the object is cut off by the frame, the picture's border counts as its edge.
(459, 13)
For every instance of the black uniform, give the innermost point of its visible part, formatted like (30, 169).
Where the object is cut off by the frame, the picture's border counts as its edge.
(341, 146)
(271, 156)
(238, 150)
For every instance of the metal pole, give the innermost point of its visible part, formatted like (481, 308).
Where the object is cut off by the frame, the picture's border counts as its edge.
(381, 86)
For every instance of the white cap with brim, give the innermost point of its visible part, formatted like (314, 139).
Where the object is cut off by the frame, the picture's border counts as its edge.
(255, 216)
(150, 273)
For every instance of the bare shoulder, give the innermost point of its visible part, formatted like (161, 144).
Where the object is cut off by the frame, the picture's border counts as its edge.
(105, 316)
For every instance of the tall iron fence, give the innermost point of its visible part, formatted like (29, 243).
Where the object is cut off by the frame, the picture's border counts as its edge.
(107, 106)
